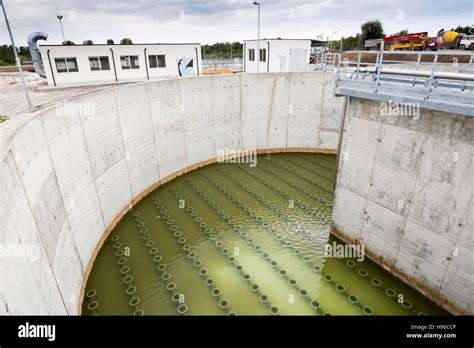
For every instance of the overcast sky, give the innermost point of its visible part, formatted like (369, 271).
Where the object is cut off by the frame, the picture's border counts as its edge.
(209, 21)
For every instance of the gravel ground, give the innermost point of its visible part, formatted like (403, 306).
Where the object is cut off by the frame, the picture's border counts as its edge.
(12, 98)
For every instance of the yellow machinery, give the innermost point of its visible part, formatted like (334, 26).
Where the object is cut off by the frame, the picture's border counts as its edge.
(450, 37)
(408, 42)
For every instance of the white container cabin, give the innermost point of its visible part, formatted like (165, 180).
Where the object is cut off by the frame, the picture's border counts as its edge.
(95, 64)
(274, 55)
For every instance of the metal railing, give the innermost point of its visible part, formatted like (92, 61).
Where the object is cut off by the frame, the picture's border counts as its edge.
(222, 64)
(323, 61)
(435, 80)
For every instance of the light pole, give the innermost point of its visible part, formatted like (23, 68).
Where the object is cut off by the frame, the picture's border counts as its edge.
(17, 58)
(258, 3)
(60, 17)
(334, 32)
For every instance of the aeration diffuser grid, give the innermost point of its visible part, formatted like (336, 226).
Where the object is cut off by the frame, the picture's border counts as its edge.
(232, 239)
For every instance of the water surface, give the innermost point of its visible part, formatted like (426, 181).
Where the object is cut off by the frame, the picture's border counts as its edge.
(234, 239)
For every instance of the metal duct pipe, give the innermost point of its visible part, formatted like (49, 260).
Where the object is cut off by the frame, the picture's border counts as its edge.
(34, 51)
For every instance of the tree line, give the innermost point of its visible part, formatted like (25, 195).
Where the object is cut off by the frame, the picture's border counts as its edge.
(7, 57)
(372, 29)
(222, 50)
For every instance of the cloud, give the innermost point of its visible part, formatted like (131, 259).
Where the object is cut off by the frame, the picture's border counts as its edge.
(209, 21)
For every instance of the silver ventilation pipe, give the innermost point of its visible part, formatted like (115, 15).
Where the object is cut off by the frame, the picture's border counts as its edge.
(34, 51)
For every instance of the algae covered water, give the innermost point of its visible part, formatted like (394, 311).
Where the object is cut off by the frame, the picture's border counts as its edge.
(232, 239)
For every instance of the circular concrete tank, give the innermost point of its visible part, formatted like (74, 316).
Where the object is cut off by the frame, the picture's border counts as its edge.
(71, 170)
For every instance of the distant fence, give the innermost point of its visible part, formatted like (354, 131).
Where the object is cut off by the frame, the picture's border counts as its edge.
(235, 64)
(14, 68)
(323, 61)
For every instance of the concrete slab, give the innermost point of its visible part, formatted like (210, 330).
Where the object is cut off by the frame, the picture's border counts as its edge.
(444, 187)
(68, 269)
(418, 181)
(382, 230)
(459, 278)
(349, 212)
(424, 255)
(357, 155)
(396, 167)
(114, 191)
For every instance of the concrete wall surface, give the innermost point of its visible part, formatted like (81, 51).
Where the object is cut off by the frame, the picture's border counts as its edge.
(405, 190)
(70, 171)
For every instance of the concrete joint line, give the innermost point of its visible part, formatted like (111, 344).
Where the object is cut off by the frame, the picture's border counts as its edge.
(38, 230)
(62, 200)
(123, 145)
(153, 131)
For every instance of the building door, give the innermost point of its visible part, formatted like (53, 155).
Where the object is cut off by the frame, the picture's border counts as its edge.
(283, 60)
(298, 59)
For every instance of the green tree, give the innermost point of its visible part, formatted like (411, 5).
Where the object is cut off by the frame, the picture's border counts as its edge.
(371, 30)
(350, 43)
(126, 41)
(88, 42)
(7, 57)
(468, 29)
(222, 50)
(24, 51)
(68, 43)
(402, 32)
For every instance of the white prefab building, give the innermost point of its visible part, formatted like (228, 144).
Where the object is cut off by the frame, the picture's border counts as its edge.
(92, 64)
(273, 55)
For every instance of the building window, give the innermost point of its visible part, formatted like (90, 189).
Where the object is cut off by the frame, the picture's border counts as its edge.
(157, 61)
(99, 63)
(129, 62)
(66, 65)
(251, 54)
(263, 55)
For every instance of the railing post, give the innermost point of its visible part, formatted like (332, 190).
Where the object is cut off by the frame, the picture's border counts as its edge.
(418, 60)
(358, 65)
(433, 70)
(379, 69)
(468, 69)
(338, 68)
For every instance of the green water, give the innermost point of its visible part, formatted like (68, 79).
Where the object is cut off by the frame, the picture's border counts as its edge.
(235, 239)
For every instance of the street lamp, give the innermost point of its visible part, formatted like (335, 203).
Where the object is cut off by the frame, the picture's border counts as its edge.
(257, 3)
(60, 17)
(334, 32)
(17, 58)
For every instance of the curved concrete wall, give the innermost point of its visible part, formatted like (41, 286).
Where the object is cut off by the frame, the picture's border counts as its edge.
(70, 171)
(405, 190)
